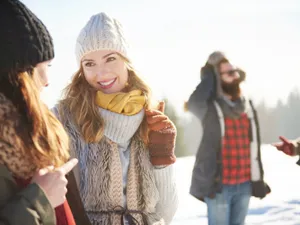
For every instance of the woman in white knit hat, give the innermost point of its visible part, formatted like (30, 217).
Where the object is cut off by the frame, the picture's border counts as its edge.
(125, 148)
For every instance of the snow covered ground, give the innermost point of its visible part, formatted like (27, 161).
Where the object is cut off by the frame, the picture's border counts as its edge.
(281, 207)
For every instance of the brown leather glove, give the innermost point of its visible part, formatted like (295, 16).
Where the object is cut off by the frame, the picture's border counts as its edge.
(162, 137)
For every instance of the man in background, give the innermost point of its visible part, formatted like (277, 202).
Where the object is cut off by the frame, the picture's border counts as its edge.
(228, 168)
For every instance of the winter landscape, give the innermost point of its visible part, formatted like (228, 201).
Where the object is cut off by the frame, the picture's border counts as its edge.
(281, 207)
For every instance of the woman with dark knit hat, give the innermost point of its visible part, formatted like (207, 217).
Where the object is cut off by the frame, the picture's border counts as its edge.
(33, 144)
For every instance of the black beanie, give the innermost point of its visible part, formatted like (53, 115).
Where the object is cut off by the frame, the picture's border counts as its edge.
(24, 39)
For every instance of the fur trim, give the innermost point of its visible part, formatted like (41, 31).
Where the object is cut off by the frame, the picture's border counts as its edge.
(101, 184)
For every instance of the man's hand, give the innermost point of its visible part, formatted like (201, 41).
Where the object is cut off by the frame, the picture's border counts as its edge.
(285, 146)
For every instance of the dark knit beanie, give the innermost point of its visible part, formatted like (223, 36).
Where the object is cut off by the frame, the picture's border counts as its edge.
(24, 39)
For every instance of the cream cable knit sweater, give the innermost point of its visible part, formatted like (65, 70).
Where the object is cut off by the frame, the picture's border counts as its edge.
(120, 129)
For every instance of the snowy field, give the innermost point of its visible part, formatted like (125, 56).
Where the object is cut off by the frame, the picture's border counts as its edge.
(281, 207)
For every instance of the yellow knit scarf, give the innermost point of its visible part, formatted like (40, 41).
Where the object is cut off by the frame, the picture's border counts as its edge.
(128, 104)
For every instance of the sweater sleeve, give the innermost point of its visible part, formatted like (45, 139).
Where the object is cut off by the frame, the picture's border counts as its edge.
(166, 184)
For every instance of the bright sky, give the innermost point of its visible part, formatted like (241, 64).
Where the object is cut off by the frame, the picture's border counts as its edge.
(171, 39)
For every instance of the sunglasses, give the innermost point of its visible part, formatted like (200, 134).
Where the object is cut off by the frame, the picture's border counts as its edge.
(230, 72)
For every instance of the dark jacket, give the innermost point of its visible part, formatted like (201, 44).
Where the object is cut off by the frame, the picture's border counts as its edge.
(18, 205)
(28, 206)
(21, 203)
(31, 206)
(207, 172)
(296, 152)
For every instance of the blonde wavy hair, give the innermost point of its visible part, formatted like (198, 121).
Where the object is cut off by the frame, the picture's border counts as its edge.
(42, 135)
(79, 101)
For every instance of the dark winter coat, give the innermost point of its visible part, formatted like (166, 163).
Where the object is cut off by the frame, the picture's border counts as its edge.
(207, 172)
(28, 206)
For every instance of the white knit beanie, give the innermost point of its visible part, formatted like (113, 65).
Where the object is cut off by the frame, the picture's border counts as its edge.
(101, 32)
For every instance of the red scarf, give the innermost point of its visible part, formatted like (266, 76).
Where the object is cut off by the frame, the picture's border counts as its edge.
(63, 212)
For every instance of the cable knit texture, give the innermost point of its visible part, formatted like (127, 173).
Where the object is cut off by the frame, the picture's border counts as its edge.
(120, 128)
(12, 152)
(13, 155)
(24, 40)
(150, 191)
(162, 137)
(162, 147)
(101, 32)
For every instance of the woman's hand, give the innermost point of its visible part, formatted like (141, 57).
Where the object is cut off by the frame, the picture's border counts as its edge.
(54, 182)
(162, 137)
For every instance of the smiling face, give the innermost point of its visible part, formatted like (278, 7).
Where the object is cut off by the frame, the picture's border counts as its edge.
(105, 70)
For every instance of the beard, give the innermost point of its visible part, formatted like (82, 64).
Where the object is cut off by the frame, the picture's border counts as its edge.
(232, 89)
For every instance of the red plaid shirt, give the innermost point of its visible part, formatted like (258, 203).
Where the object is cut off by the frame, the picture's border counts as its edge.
(236, 151)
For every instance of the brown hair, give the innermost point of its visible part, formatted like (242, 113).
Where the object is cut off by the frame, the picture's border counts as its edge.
(44, 138)
(79, 98)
